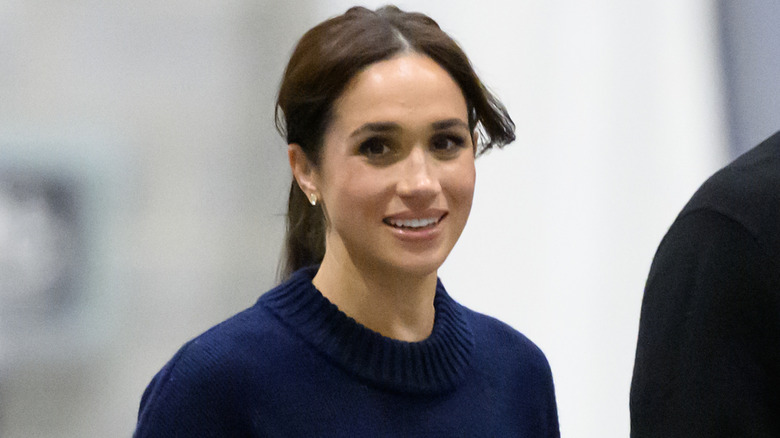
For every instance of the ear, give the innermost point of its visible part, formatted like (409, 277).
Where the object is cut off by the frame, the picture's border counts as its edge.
(303, 170)
(474, 140)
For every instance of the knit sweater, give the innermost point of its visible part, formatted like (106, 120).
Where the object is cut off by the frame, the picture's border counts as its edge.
(708, 355)
(294, 365)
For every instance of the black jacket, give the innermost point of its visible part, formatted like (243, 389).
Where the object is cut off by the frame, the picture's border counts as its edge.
(708, 354)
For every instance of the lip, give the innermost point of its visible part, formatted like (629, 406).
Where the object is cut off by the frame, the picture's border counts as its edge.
(416, 234)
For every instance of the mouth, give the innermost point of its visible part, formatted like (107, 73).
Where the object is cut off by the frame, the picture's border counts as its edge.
(415, 223)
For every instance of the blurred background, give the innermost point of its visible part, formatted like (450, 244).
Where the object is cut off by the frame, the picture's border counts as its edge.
(143, 187)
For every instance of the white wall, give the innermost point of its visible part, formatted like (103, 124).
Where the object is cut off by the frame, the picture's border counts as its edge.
(618, 121)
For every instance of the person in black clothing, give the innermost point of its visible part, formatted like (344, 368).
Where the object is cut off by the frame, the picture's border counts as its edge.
(708, 353)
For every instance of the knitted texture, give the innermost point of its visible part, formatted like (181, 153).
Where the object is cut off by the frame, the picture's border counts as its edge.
(295, 365)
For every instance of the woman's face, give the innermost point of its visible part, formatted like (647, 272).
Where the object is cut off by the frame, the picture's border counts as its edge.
(396, 177)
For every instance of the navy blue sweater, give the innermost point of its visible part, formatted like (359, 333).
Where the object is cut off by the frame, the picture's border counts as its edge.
(294, 365)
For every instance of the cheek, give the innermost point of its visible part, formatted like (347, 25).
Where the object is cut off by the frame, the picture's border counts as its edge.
(358, 193)
(462, 183)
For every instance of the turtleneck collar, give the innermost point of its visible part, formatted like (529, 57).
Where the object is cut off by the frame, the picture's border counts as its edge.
(433, 365)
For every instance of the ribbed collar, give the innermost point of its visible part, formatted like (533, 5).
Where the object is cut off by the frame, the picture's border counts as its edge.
(433, 365)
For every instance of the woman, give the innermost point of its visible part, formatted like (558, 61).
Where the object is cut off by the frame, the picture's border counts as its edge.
(384, 116)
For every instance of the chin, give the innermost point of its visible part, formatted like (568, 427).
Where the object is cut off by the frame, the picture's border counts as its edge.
(418, 268)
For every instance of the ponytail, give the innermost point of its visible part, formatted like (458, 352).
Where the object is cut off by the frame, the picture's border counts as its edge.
(305, 236)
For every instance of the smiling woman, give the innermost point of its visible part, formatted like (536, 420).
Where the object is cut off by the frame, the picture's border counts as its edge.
(384, 117)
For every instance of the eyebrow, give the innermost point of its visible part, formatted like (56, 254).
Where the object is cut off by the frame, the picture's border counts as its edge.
(376, 127)
(391, 126)
(450, 123)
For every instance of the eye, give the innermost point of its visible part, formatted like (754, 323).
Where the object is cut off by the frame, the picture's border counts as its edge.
(374, 147)
(447, 143)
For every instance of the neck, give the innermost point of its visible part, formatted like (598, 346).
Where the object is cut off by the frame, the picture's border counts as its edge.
(394, 304)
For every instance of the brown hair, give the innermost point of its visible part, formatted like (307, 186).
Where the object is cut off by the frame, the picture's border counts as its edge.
(326, 58)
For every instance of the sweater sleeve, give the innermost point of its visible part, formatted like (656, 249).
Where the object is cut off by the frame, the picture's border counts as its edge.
(191, 396)
(707, 355)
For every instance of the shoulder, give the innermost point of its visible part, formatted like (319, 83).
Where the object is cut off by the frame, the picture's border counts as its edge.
(498, 342)
(244, 336)
(210, 378)
(731, 223)
(491, 330)
(747, 191)
(247, 339)
(711, 262)
(718, 266)
(514, 370)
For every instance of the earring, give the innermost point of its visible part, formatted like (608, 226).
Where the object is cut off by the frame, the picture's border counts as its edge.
(313, 199)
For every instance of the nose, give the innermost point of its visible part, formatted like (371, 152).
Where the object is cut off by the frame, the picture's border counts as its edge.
(419, 184)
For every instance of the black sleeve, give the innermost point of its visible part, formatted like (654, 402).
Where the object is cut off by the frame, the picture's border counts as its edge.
(709, 340)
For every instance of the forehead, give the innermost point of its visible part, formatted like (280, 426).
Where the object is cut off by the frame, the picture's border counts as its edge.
(408, 87)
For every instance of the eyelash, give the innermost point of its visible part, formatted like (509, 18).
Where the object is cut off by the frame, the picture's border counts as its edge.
(372, 142)
(455, 141)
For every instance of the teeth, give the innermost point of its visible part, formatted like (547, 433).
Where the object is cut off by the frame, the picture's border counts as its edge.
(413, 223)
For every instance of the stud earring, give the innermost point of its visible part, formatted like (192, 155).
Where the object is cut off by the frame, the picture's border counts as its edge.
(313, 199)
